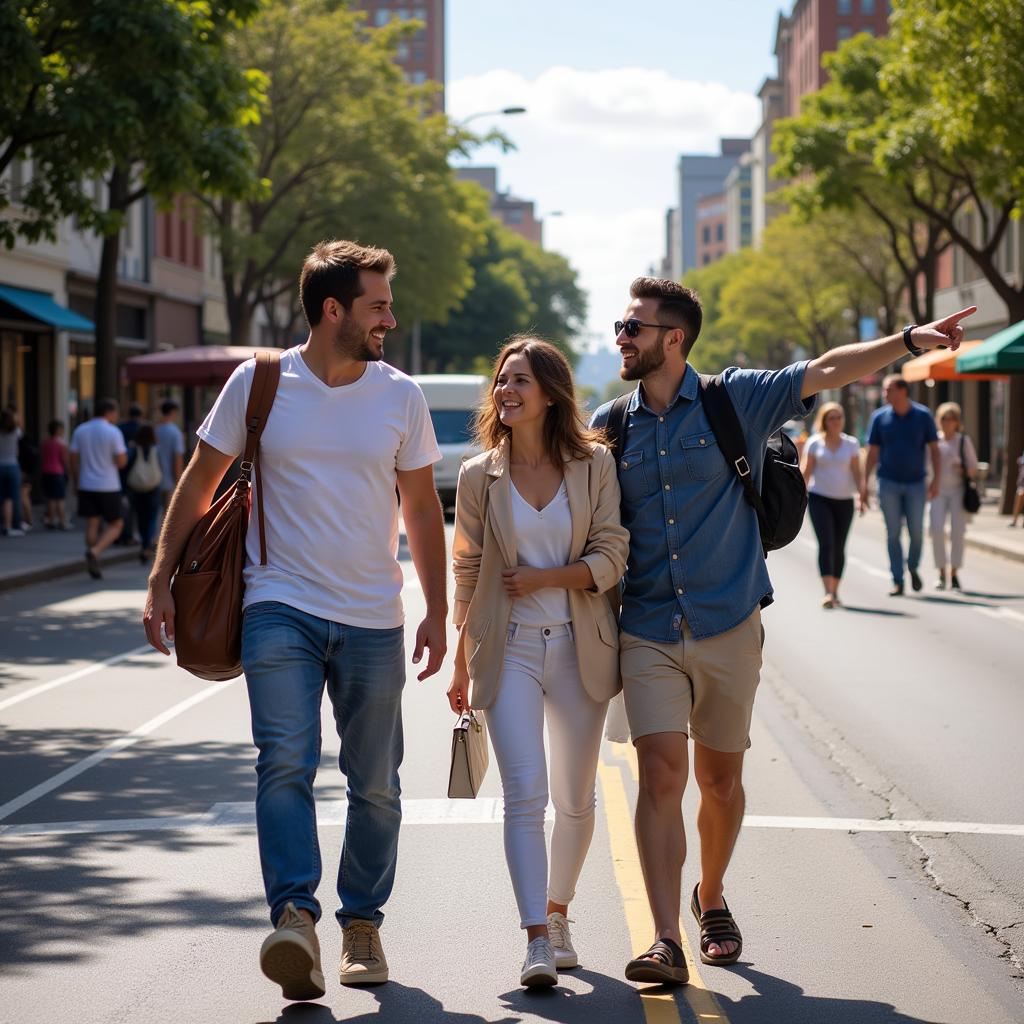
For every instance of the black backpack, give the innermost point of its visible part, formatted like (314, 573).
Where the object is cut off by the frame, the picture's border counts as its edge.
(782, 502)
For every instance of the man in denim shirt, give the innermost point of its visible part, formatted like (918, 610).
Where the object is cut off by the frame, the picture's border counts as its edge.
(695, 584)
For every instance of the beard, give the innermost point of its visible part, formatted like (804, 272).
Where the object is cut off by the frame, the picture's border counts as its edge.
(352, 341)
(647, 361)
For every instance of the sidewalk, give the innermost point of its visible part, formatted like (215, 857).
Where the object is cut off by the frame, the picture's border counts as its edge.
(47, 554)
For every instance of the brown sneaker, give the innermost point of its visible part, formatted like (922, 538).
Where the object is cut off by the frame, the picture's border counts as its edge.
(290, 956)
(362, 956)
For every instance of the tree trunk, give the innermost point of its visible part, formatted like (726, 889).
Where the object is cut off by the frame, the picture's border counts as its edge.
(106, 294)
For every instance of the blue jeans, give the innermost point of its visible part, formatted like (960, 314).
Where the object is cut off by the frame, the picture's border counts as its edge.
(898, 502)
(287, 656)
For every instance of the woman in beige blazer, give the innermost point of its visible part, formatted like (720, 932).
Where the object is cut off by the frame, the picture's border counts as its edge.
(538, 542)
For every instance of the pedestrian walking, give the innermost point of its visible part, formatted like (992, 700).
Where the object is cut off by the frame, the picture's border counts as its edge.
(143, 481)
(696, 581)
(10, 475)
(538, 542)
(55, 468)
(325, 606)
(129, 430)
(1018, 498)
(28, 463)
(900, 436)
(98, 452)
(957, 461)
(831, 467)
(171, 444)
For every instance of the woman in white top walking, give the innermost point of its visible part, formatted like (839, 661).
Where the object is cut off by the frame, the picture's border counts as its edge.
(537, 543)
(833, 473)
(957, 457)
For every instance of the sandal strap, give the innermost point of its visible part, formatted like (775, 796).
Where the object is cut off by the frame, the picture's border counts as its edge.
(662, 952)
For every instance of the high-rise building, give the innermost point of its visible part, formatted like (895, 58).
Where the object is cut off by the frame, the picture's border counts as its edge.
(814, 28)
(762, 159)
(711, 222)
(699, 177)
(422, 56)
(518, 215)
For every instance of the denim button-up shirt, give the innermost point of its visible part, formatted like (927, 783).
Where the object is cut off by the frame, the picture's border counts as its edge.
(695, 549)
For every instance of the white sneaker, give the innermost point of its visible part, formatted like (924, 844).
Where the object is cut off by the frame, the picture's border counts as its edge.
(15, 532)
(539, 966)
(561, 941)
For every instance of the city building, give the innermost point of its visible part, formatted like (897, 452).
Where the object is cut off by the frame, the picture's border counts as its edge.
(422, 56)
(672, 262)
(710, 218)
(738, 219)
(762, 159)
(515, 213)
(701, 176)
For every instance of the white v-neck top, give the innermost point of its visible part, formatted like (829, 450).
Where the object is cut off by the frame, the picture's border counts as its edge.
(543, 541)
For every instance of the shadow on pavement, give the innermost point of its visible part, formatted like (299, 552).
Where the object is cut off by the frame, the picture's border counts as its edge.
(779, 1000)
(886, 612)
(398, 1004)
(609, 999)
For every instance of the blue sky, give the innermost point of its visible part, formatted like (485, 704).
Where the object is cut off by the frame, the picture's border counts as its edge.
(611, 103)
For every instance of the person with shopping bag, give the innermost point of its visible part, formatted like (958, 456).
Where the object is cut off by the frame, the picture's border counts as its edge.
(538, 542)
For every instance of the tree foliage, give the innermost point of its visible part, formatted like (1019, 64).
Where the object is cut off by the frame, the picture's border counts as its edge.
(517, 287)
(345, 148)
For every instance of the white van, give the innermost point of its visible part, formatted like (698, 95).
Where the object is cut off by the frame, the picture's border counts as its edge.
(452, 399)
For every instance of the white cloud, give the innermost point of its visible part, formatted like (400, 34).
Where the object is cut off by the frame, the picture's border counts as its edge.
(602, 147)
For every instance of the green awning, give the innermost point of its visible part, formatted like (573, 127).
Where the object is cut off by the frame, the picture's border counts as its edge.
(40, 306)
(1002, 353)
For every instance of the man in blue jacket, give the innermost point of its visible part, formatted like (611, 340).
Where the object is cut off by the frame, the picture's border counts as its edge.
(900, 436)
(696, 580)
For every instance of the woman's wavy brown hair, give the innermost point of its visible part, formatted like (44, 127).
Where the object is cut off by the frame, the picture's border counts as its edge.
(566, 434)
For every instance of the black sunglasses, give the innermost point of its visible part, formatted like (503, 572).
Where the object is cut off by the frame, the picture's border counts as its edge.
(632, 327)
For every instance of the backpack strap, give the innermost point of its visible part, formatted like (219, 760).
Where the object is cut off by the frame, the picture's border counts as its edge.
(725, 425)
(261, 401)
(618, 418)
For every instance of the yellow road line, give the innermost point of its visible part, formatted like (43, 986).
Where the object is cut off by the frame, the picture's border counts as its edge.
(659, 1007)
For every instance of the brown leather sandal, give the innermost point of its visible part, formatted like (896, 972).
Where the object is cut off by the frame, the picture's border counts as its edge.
(663, 964)
(716, 927)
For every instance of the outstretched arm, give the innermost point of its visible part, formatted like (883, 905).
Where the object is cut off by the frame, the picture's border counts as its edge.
(848, 363)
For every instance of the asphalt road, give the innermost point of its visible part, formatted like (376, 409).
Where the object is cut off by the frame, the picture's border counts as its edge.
(880, 878)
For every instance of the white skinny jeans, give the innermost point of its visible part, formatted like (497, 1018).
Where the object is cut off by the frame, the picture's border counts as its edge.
(540, 679)
(948, 505)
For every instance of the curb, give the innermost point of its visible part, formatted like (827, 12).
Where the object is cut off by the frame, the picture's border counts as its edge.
(990, 548)
(60, 569)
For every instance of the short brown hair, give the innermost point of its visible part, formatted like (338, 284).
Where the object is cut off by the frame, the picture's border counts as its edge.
(566, 434)
(331, 271)
(678, 306)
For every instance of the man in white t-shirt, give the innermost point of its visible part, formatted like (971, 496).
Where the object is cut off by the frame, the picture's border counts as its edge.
(345, 430)
(97, 453)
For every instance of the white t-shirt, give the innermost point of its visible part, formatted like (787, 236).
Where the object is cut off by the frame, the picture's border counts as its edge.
(832, 476)
(98, 442)
(328, 462)
(951, 476)
(543, 540)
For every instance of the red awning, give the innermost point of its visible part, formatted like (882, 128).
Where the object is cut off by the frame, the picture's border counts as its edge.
(197, 365)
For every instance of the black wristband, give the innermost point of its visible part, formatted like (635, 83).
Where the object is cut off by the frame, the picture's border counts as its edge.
(911, 347)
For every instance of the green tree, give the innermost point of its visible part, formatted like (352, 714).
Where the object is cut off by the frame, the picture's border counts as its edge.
(830, 149)
(138, 93)
(716, 347)
(517, 287)
(345, 148)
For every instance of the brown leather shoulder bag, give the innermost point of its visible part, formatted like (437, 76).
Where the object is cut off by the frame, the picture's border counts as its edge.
(207, 585)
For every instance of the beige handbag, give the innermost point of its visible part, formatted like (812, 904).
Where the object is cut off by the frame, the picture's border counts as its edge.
(469, 757)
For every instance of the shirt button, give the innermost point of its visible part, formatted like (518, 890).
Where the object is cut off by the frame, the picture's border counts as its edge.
(702, 441)
(679, 590)
(625, 465)
(675, 558)
(661, 419)
(671, 522)
(662, 452)
(547, 632)
(668, 487)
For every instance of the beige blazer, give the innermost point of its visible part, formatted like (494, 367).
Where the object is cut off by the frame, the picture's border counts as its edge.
(485, 544)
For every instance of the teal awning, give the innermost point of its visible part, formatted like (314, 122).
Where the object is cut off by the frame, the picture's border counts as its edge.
(39, 306)
(1002, 353)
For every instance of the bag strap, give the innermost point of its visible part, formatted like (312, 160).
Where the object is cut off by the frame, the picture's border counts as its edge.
(618, 419)
(261, 401)
(725, 425)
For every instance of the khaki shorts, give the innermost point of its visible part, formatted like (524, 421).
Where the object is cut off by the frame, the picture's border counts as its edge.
(704, 688)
